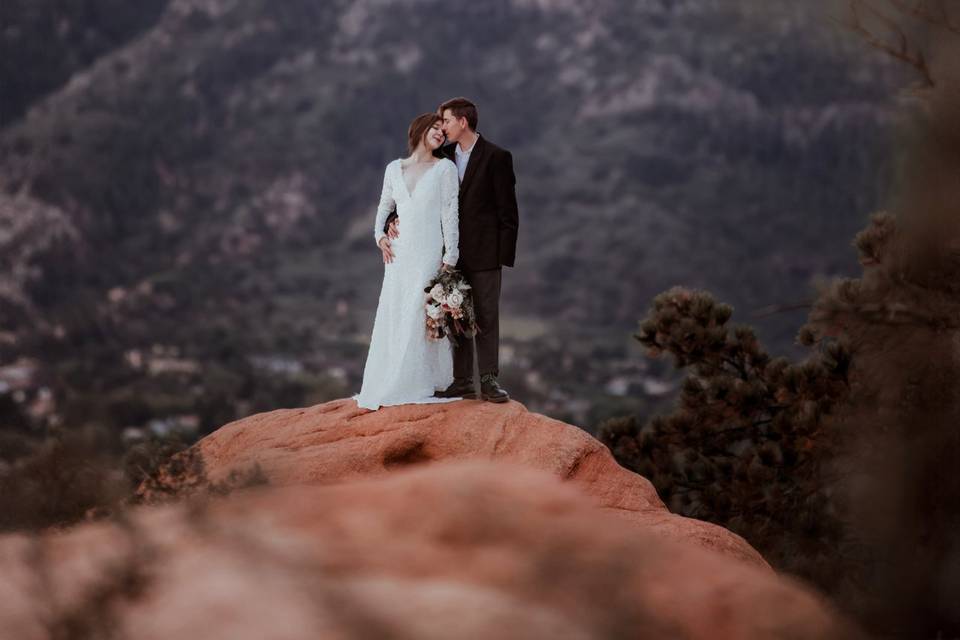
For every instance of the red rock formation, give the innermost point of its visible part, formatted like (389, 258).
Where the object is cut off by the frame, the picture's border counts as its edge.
(456, 549)
(337, 442)
(463, 520)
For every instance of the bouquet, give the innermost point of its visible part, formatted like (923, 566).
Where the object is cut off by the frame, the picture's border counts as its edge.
(449, 307)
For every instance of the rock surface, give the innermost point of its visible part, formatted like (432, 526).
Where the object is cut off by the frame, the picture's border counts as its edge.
(462, 520)
(337, 442)
(455, 549)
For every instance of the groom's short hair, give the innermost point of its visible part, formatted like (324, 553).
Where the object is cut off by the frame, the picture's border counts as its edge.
(461, 108)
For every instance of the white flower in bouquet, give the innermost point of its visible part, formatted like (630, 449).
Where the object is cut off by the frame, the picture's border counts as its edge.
(437, 292)
(455, 299)
(434, 311)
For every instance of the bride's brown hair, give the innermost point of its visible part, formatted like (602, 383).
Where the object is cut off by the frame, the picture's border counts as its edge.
(418, 129)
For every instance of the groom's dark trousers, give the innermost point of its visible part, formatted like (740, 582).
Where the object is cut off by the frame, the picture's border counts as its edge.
(485, 287)
(488, 241)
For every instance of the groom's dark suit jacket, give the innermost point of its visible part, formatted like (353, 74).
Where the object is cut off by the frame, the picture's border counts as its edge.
(488, 207)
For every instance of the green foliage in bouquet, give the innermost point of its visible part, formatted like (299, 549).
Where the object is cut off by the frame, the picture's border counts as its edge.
(744, 446)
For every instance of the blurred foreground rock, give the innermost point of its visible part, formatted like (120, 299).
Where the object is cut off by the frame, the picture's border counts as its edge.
(464, 520)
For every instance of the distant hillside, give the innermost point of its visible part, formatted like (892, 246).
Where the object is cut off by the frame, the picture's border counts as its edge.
(43, 42)
(218, 173)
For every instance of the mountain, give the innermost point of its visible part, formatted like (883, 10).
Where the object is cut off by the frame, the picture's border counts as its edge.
(203, 191)
(55, 39)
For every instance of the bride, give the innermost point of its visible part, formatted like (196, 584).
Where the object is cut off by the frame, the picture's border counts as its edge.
(403, 365)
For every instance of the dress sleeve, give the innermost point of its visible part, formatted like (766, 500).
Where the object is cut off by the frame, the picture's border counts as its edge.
(387, 204)
(450, 214)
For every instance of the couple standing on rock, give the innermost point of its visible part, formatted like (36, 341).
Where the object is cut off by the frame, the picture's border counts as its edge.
(456, 196)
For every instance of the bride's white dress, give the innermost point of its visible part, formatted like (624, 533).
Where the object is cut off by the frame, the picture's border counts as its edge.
(403, 365)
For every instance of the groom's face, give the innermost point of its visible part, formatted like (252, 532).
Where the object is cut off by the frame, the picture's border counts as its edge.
(452, 127)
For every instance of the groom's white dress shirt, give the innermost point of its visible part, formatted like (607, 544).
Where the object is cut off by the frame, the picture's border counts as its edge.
(463, 157)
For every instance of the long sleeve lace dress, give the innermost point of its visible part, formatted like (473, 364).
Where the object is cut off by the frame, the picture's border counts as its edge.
(403, 365)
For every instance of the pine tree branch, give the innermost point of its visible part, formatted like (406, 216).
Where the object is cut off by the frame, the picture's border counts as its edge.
(741, 369)
(940, 18)
(780, 308)
(901, 51)
(891, 316)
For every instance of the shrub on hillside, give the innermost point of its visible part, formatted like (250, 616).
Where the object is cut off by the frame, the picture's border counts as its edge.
(745, 446)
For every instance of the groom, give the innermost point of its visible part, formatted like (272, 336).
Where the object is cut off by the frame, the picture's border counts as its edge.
(488, 241)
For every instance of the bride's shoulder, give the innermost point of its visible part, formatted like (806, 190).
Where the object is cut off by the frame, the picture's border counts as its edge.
(447, 164)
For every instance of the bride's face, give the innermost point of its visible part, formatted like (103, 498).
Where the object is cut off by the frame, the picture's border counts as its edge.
(434, 136)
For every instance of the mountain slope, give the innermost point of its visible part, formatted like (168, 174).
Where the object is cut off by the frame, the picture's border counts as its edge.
(221, 170)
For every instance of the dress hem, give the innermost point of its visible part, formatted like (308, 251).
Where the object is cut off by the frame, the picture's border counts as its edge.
(430, 400)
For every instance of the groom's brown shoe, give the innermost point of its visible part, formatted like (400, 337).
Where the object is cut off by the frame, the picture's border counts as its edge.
(459, 388)
(491, 390)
